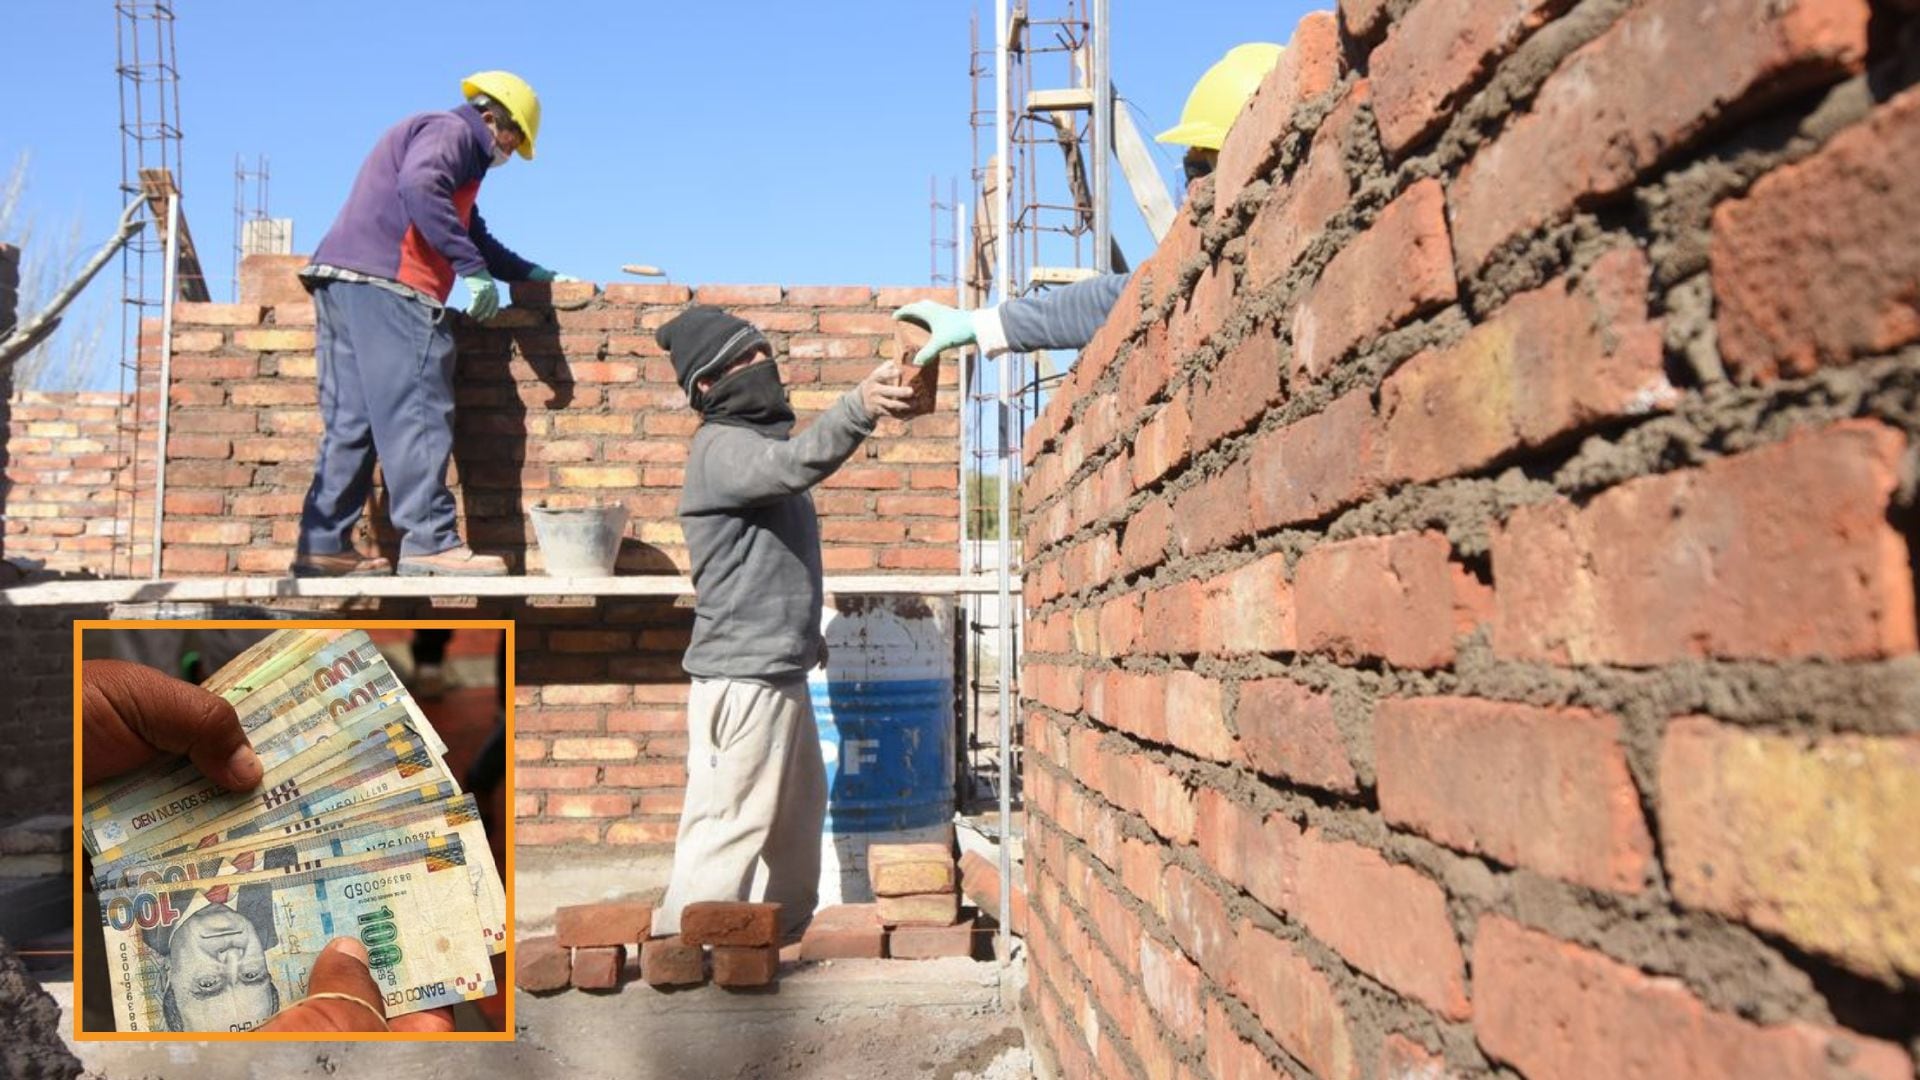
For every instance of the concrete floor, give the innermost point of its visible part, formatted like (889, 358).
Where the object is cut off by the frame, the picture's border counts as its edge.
(849, 1020)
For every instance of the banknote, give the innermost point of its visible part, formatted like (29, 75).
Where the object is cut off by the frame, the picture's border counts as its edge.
(349, 837)
(226, 953)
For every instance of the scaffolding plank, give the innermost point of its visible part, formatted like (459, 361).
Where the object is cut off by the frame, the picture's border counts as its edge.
(225, 589)
(1060, 275)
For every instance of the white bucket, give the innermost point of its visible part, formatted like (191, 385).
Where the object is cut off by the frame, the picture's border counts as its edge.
(579, 542)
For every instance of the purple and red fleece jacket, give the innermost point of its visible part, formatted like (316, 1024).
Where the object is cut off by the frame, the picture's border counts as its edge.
(411, 217)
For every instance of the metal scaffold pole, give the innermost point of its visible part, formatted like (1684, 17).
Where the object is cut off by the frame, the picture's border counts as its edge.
(1001, 276)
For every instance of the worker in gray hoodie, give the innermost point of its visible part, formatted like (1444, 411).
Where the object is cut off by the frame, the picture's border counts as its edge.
(756, 783)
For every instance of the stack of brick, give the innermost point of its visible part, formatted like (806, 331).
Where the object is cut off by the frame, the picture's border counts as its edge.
(918, 900)
(588, 948)
(745, 939)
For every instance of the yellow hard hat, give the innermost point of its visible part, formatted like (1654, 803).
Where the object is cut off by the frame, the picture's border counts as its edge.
(1218, 96)
(513, 92)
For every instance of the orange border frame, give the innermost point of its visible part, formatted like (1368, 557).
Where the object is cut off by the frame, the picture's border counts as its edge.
(79, 936)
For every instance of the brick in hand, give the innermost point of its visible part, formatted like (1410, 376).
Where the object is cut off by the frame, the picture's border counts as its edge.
(909, 869)
(599, 925)
(727, 922)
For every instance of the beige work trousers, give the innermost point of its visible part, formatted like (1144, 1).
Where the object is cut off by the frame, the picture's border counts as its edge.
(756, 793)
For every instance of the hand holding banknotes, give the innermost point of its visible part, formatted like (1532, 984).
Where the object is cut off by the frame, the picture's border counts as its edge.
(132, 714)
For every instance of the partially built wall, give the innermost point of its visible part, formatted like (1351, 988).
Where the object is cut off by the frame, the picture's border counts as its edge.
(1470, 577)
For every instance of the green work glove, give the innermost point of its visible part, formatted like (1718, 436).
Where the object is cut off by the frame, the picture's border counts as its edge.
(541, 273)
(486, 296)
(950, 327)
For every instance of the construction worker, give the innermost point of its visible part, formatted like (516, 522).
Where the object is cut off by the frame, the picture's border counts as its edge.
(380, 280)
(1067, 318)
(756, 784)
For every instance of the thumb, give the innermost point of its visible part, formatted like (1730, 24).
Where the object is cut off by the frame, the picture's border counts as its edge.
(927, 352)
(342, 969)
(131, 711)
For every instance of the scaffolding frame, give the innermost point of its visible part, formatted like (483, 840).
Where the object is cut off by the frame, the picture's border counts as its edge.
(250, 188)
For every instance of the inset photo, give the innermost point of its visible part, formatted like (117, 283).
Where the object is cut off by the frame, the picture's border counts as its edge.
(293, 830)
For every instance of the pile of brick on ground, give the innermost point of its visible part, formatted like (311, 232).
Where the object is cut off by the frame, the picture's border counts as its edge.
(918, 916)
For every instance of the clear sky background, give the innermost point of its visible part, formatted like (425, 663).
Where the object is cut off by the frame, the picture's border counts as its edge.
(739, 142)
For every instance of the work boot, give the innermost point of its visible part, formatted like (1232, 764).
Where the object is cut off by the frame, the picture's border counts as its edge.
(453, 562)
(348, 563)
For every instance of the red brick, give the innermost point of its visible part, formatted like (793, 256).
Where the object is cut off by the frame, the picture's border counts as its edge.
(1550, 363)
(1213, 513)
(980, 881)
(1561, 153)
(925, 909)
(202, 314)
(197, 341)
(1363, 18)
(541, 964)
(670, 961)
(857, 322)
(1136, 703)
(1294, 1001)
(653, 833)
(906, 869)
(1289, 731)
(1168, 802)
(844, 932)
(1148, 369)
(556, 832)
(599, 968)
(737, 295)
(1197, 319)
(595, 749)
(1344, 893)
(931, 942)
(1239, 390)
(1405, 1059)
(626, 292)
(727, 922)
(829, 296)
(274, 340)
(1820, 262)
(1550, 1008)
(1308, 68)
(569, 295)
(1378, 597)
(1780, 552)
(1197, 917)
(1318, 464)
(1120, 625)
(1145, 543)
(1171, 984)
(1230, 1057)
(744, 966)
(1796, 835)
(1298, 209)
(1546, 789)
(1196, 718)
(1399, 268)
(1437, 53)
(604, 924)
(1162, 443)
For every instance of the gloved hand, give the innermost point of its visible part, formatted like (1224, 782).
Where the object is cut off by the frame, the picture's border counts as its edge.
(486, 296)
(541, 273)
(950, 327)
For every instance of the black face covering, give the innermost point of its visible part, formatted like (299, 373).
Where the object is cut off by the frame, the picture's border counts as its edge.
(751, 397)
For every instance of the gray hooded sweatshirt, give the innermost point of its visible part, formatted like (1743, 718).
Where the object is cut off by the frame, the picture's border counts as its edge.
(754, 540)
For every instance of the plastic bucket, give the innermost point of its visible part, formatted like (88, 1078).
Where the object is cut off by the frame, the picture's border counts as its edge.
(579, 541)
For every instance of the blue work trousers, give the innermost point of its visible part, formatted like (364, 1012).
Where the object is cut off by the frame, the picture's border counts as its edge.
(385, 364)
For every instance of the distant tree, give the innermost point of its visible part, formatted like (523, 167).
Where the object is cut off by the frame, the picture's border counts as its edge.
(73, 357)
(983, 505)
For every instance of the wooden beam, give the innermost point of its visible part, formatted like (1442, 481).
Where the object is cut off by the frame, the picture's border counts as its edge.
(157, 184)
(1072, 99)
(1143, 176)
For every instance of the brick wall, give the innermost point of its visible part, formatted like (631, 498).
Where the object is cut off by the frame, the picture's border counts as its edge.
(65, 465)
(1470, 590)
(565, 396)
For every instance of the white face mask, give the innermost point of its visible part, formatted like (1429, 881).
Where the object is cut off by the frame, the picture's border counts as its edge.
(500, 156)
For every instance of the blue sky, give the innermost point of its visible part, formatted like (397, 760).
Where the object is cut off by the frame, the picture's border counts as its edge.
(728, 142)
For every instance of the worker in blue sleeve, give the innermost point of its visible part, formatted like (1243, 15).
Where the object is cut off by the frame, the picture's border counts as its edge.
(1068, 317)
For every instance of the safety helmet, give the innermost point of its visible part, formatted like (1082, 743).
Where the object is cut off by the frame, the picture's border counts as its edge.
(1218, 96)
(512, 92)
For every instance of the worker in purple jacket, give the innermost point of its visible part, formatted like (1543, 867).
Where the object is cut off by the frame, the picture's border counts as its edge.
(380, 281)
